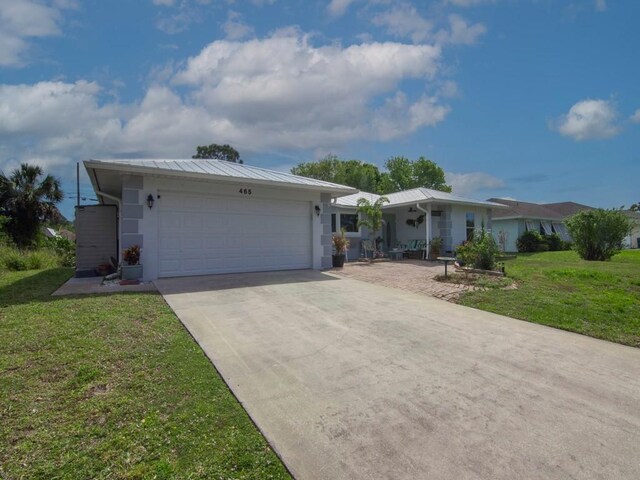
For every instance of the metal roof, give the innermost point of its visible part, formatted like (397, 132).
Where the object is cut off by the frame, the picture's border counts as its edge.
(413, 196)
(215, 169)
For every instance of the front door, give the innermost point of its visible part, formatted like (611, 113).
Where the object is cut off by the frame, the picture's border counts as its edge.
(389, 231)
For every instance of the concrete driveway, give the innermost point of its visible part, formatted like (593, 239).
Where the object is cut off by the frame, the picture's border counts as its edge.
(352, 380)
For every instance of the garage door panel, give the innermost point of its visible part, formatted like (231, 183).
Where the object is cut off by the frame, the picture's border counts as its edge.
(210, 234)
(193, 243)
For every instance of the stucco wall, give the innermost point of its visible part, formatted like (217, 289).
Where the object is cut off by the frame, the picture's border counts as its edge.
(459, 222)
(512, 230)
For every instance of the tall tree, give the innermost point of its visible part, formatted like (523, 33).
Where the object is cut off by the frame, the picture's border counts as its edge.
(354, 173)
(28, 199)
(218, 152)
(404, 174)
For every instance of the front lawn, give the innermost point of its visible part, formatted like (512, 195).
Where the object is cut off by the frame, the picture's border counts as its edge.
(600, 299)
(112, 386)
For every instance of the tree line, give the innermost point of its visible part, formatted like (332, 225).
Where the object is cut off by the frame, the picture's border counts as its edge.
(401, 174)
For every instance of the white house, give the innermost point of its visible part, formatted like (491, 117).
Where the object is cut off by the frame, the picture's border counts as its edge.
(633, 239)
(198, 217)
(413, 215)
(195, 217)
(518, 217)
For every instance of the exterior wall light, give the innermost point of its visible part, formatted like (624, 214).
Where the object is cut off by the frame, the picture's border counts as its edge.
(150, 201)
(317, 209)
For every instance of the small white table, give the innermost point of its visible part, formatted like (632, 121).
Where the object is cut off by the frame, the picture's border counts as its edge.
(446, 261)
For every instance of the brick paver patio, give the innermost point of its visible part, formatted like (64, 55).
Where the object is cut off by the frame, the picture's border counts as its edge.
(412, 275)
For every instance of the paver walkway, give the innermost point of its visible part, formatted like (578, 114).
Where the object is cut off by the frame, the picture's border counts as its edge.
(417, 276)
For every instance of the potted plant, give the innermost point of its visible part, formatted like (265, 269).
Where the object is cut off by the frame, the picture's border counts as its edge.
(435, 248)
(340, 245)
(132, 270)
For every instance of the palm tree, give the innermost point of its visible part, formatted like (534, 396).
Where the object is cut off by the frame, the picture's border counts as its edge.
(27, 200)
(372, 216)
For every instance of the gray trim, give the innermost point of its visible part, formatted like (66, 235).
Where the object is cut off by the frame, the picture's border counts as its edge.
(129, 225)
(130, 195)
(132, 211)
(132, 239)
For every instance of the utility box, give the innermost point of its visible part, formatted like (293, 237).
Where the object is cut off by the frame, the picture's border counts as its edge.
(96, 237)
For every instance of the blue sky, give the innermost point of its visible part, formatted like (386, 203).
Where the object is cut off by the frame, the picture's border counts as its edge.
(536, 100)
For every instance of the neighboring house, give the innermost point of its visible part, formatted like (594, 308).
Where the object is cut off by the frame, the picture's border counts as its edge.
(520, 217)
(418, 214)
(633, 239)
(197, 217)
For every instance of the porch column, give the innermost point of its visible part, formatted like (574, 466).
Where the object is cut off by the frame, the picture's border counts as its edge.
(428, 232)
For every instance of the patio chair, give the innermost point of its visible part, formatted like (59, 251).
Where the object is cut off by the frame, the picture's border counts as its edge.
(367, 246)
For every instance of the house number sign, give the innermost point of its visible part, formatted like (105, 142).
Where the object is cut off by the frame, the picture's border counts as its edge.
(245, 191)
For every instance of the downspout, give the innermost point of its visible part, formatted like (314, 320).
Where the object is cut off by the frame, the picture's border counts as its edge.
(119, 205)
(427, 228)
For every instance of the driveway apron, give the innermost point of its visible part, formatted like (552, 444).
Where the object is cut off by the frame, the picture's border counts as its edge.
(352, 380)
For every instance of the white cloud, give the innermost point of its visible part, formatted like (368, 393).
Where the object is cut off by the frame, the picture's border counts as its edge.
(601, 5)
(635, 118)
(22, 20)
(461, 32)
(164, 3)
(337, 8)
(468, 183)
(234, 28)
(275, 94)
(405, 21)
(588, 120)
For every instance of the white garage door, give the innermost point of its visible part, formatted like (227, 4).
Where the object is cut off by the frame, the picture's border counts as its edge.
(200, 235)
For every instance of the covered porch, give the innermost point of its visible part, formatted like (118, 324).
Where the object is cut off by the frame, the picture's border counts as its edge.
(412, 228)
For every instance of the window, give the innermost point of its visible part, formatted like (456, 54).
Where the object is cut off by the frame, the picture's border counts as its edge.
(561, 229)
(333, 223)
(531, 226)
(546, 227)
(349, 221)
(471, 225)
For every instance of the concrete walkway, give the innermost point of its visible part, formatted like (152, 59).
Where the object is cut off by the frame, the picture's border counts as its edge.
(92, 285)
(349, 380)
(417, 276)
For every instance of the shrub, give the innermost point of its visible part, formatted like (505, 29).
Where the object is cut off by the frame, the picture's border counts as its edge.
(529, 242)
(480, 252)
(598, 234)
(39, 259)
(555, 242)
(15, 261)
(63, 248)
(340, 243)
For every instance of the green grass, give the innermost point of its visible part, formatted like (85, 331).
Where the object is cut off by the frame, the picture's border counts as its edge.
(112, 386)
(599, 299)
